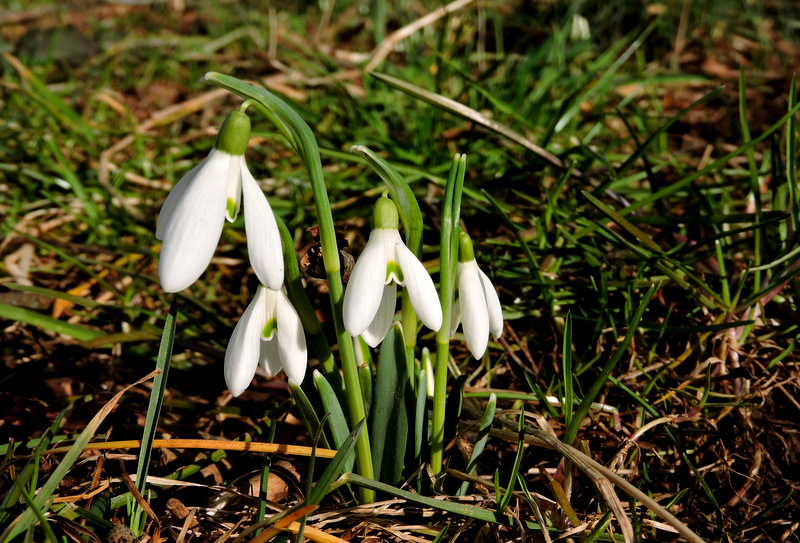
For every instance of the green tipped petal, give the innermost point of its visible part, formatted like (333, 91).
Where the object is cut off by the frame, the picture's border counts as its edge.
(394, 271)
(269, 328)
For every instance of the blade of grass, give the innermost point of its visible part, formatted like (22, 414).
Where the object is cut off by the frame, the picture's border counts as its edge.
(791, 158)
(154, 411)
(503, 503)
(31, 468)
(566, 354)
(307, 412)
(46, 322)
(48, 531)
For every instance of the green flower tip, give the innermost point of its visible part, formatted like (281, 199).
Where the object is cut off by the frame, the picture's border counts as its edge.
(465, 250)
(384, 215)
(234, 134)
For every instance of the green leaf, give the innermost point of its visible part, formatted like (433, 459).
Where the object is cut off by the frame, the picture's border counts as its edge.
(421, 418)
(401, 193)
(338, 422)
(307, 412)
(325, 482)
(388, 423)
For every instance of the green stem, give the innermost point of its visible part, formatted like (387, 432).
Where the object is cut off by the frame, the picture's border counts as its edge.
(409, 324)
(311, 325)
(300, 136)
(447, 276)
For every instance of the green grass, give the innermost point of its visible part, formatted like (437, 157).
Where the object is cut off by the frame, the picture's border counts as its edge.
(637, 212)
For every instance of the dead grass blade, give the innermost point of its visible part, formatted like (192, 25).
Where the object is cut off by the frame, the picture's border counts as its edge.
(156, 537)
(207, 444)
(387, 45)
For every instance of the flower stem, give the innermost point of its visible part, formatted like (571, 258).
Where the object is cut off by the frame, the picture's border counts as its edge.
(311, 325)
(447, 273)
(300, 136)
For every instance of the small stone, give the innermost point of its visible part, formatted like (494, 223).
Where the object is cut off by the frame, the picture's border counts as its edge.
(120, 534)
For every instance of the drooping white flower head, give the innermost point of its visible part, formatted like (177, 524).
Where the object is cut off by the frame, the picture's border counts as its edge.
(192, 217)
(478, 306)
(268, 333)
(371, 295)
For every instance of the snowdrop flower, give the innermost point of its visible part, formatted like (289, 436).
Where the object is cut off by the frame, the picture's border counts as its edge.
(192, 217)
(579, 30)
(371, 295)
(268, 333)
(478, 306)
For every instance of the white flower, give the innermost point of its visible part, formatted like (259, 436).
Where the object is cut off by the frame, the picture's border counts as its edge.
(268, 333)
(478, 305)
(580, 28)
(371, 295)
(192, 217)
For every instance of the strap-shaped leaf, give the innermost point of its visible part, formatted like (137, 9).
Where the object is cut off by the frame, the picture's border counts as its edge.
(338, 422)
(388, 423)
(325, 482)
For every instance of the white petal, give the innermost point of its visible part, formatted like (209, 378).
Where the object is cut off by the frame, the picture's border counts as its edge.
(234, 186)
(194, 225)
(270, 356)
(291, 339)
(379, 327)
(263, 237)
(421, 289)
(492, 305)
(365, 287)
(174, 197)
(244, 348)
(474, 315)
(455, 317)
